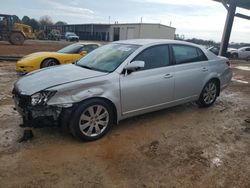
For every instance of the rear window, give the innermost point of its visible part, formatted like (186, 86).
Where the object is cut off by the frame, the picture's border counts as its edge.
(187, 54)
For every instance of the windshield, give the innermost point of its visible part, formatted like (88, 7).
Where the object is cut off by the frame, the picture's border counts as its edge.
(70, 34)
(71, 49)
(107, 58)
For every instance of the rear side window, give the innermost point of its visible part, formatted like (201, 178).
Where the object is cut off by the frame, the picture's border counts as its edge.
(248, 49)
(154, 57)
(187, 54)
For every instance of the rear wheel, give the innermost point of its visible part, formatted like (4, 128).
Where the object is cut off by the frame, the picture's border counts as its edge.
(49, 62)
(208, 94)
(92, 120)
(17, 38)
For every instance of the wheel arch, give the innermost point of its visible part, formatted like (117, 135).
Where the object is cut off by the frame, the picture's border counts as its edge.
(49, 58)
(235, 54)
(217, 80)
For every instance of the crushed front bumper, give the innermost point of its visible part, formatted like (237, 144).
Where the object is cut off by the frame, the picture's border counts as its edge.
(37, 116)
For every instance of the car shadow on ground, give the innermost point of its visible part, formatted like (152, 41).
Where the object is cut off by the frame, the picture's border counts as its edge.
(142, 121)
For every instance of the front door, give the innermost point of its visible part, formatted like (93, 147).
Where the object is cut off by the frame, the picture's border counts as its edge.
(150, 87)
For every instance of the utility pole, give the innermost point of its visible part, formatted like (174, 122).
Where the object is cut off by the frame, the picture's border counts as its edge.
(228, 27)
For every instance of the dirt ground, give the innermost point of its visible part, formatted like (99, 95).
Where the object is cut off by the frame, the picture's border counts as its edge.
(184, 146)
(30, 46)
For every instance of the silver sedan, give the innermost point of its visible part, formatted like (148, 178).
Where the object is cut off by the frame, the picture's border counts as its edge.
(117, 81)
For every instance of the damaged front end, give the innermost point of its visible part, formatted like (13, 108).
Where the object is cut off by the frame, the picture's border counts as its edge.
(34, 109)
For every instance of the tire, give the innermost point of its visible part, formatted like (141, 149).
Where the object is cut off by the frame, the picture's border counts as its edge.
(91, 120)
(10, 42)
(209, 94)
(17, 38)
(235, 56)
(49, 62)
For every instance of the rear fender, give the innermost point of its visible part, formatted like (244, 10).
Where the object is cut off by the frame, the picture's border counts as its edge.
(209, 77)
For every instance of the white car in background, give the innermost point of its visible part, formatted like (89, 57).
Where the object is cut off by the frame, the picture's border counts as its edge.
(71, 37)
(241, 53)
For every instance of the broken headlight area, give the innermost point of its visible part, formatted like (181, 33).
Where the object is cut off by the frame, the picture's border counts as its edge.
(34, 109)
(41, 98)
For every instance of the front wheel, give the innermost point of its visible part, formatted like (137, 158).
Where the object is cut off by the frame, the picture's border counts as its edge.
(209, 94)
(16, 38)
(91, 120)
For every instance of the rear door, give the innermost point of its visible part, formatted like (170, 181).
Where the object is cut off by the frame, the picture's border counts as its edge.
(191, 69)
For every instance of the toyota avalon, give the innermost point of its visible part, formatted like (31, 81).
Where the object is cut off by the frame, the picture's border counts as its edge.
(117, 81)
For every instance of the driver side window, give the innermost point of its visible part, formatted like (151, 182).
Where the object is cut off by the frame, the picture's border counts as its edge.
(154, 57)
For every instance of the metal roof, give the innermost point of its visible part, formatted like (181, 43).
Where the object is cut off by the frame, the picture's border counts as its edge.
(240, 3)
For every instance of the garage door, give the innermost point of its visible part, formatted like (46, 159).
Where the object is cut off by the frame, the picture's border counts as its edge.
(130, 33)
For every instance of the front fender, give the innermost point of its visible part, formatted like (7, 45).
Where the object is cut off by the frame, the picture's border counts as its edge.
(68, 98)
(90, 93)
(75, 92)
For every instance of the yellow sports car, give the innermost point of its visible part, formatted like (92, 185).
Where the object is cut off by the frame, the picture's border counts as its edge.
(69, 54)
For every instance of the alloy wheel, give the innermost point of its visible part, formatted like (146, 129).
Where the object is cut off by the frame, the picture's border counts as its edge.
(94, 120)
(210, 92)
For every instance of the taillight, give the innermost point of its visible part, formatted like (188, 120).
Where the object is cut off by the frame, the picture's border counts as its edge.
(228, 63)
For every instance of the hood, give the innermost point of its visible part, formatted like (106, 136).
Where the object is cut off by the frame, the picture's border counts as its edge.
(53, 76)
(73, 36)
(39, 54)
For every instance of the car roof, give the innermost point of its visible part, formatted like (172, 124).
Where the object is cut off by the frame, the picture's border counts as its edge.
(244, 47)
(143, 42)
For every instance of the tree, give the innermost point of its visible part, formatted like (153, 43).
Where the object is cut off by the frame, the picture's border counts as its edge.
(34, 24)
(45, 20)
(60, 23)
(16, 19)
(26, 20)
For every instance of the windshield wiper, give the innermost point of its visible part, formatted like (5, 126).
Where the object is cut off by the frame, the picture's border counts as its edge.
(90, 68)
(84, 66)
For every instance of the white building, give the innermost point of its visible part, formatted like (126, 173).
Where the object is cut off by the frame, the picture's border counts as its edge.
(139, 31)
(113, 32)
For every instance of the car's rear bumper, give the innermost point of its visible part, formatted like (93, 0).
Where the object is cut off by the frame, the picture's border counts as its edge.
(226, 78)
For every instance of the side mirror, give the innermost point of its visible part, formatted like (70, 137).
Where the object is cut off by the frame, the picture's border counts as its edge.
(83, 52)
(135, 65)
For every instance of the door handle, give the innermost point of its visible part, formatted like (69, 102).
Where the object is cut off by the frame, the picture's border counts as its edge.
(167, 76)
(204, 69)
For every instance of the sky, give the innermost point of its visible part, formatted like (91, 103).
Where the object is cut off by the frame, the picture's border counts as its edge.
(203, 19)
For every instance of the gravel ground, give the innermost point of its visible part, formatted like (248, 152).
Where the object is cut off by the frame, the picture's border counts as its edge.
(183, 146)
